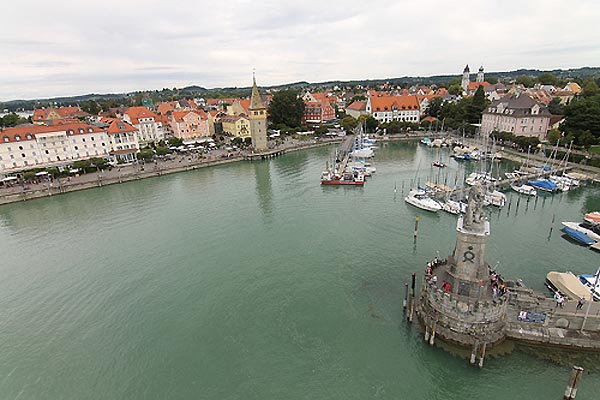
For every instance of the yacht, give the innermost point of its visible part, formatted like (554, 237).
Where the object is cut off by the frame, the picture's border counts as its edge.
(419, 198)
(524, 189)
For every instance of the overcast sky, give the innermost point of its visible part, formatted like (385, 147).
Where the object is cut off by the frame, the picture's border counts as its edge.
(64, 47)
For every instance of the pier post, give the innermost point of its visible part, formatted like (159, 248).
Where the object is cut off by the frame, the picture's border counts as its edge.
(404, 302)
(416, 226)
(426, 333)
(412, 297)
(474, 353)
(432, 337)
(573, 384)
(482, 355)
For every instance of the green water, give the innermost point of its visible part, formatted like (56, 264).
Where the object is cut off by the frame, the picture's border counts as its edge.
(251, 281)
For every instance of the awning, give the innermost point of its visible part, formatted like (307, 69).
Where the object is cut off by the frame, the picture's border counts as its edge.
(9, 178)
(41, 173)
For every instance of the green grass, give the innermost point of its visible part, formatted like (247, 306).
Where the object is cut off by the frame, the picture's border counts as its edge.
(595, 149)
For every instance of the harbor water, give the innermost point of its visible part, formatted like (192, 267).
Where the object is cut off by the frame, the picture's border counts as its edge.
(252, 281)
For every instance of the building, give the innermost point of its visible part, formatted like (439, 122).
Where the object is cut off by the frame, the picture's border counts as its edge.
(469, 88)
(189, 125)
(318, 112)
(466, 78)
(236, 125)
(258, 120)
(239, 107)
(122, 139)
(393, 108)
(41, 146)
(150, 129)
(518, 114)
(356, 109)
(49, 116)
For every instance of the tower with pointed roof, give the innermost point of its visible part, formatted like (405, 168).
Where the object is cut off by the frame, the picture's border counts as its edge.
(466, 78)
(258, 119)
(480, 74)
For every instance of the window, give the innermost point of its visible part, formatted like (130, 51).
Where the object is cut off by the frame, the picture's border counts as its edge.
(17, 138)
(47, 152)
(6, 139)
(28, 136)
(76, 148)
(23, 155)
(20, 147)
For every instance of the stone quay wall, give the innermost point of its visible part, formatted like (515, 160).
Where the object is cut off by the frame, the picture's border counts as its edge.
(462, 319)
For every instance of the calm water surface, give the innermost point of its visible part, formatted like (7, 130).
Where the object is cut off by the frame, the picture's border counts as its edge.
(251, 281)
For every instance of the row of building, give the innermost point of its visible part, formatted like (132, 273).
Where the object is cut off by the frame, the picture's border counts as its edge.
(59, 136)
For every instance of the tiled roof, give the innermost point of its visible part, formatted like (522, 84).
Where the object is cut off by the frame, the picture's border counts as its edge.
(117, 126)
(135, 113)
(386, 103)
(475, 85)
(22, 132)
(357, 106)
(180, 115)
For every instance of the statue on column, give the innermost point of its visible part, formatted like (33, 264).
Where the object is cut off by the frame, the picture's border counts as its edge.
(474, 217)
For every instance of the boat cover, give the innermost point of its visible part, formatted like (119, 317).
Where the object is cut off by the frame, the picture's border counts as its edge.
(569, 285)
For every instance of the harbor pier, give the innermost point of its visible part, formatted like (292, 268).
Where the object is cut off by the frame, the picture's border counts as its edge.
(464, 301)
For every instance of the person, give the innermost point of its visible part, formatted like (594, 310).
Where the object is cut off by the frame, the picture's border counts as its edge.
(434, 279)
(580, 303)
(560, 301)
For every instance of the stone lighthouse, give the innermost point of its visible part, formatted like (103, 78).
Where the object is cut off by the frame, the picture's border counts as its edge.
(460, 301)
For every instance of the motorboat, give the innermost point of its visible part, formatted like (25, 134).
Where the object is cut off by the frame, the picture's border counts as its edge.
(579, 228)
(578, 236)
(545, 185)
(568, 285)
(346, 179)
(593, 217)
(495, 198)
(589, 281)
(454, 207)
(419, 198)
(438, 164)
(479, 178)
(524, 189)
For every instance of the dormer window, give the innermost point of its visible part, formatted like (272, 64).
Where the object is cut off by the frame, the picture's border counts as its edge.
(28, 136)
(80, 130)
(6, 139)
(18, 138)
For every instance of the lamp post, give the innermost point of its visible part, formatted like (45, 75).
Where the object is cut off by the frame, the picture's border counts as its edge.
(587, 311)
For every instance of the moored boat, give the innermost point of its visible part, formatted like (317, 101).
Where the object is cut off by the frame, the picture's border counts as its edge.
(347, 179)
(495, 198)
(578, 236)
(589, 281)
(419, 198)
(568, 285)
(438, 164)
(545, 185)
(524, 189)
(593, 217)
(579, 228)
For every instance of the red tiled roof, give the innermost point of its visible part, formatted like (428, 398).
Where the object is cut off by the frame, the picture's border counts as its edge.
(117, 126)
(179, 115)
(475, 85)
(357, 106)
(33, 130)
(135, 113)
(386, 103)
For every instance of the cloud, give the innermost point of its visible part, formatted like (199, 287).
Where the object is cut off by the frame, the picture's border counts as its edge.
(114, 46)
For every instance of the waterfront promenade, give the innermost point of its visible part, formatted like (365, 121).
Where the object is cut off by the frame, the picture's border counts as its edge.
(131, 172)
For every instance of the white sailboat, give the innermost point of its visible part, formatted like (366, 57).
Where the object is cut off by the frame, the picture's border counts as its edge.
(419, 198)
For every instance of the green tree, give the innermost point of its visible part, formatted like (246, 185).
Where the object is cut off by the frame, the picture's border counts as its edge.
(553, 136)
(349, 123)
(582, 115)
(590, 88)
(525, 80)
(321, 130)
(286, 108)
(91, 107)
(145, 154)
(162, 150)
(555, 107)
(547, 78)
(435, 107)
(586, 139)
(455, 89)
(12, 119)
(491, 79)
(371, 123)
(174, 142)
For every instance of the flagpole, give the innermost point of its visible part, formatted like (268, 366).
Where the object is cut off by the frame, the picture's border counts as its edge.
(587, 311)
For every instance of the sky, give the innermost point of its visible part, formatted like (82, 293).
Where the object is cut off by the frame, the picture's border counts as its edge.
(65, 48)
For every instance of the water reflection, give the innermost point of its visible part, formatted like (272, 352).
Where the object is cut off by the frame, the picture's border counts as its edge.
(264, 191)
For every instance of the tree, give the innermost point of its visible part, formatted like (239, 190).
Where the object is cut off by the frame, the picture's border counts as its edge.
(174, 142)
(590, 88)
(349, 123)
(321, 130)
(525, 80)
(547, 78)
(491, 79)
(435, 107)
(91, 107)
(586, 139)
(477, 104)
(162, 151)
(555, 107)
(145, 154)
(371, 123)
(553, 136)
(582, 115)
(455, 89)
(12, 119)
(286, 108)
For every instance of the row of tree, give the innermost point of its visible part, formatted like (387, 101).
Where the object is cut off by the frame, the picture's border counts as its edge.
(13, 119)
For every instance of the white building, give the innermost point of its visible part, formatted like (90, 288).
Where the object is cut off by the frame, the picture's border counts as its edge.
(150, 129)
(40, 146)
(394, 108)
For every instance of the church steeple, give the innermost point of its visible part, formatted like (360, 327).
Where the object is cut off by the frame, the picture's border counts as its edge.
(466, 78)
(480, 74)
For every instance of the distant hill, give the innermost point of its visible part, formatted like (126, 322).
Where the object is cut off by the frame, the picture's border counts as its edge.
(195, 91)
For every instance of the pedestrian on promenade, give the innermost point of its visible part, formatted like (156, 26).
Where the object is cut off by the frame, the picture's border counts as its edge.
(580, 303)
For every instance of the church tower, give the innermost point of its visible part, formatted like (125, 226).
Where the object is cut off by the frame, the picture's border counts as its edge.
(480, 74)
(466, 78)
(258, 120)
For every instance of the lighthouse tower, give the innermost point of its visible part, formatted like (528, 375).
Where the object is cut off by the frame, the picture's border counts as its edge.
(466, 78)
(480, 74)
(258, 120)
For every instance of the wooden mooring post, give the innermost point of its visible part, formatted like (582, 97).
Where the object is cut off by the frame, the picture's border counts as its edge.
(573, 384)
(405, 301)
(411, 309)
(416, 227)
